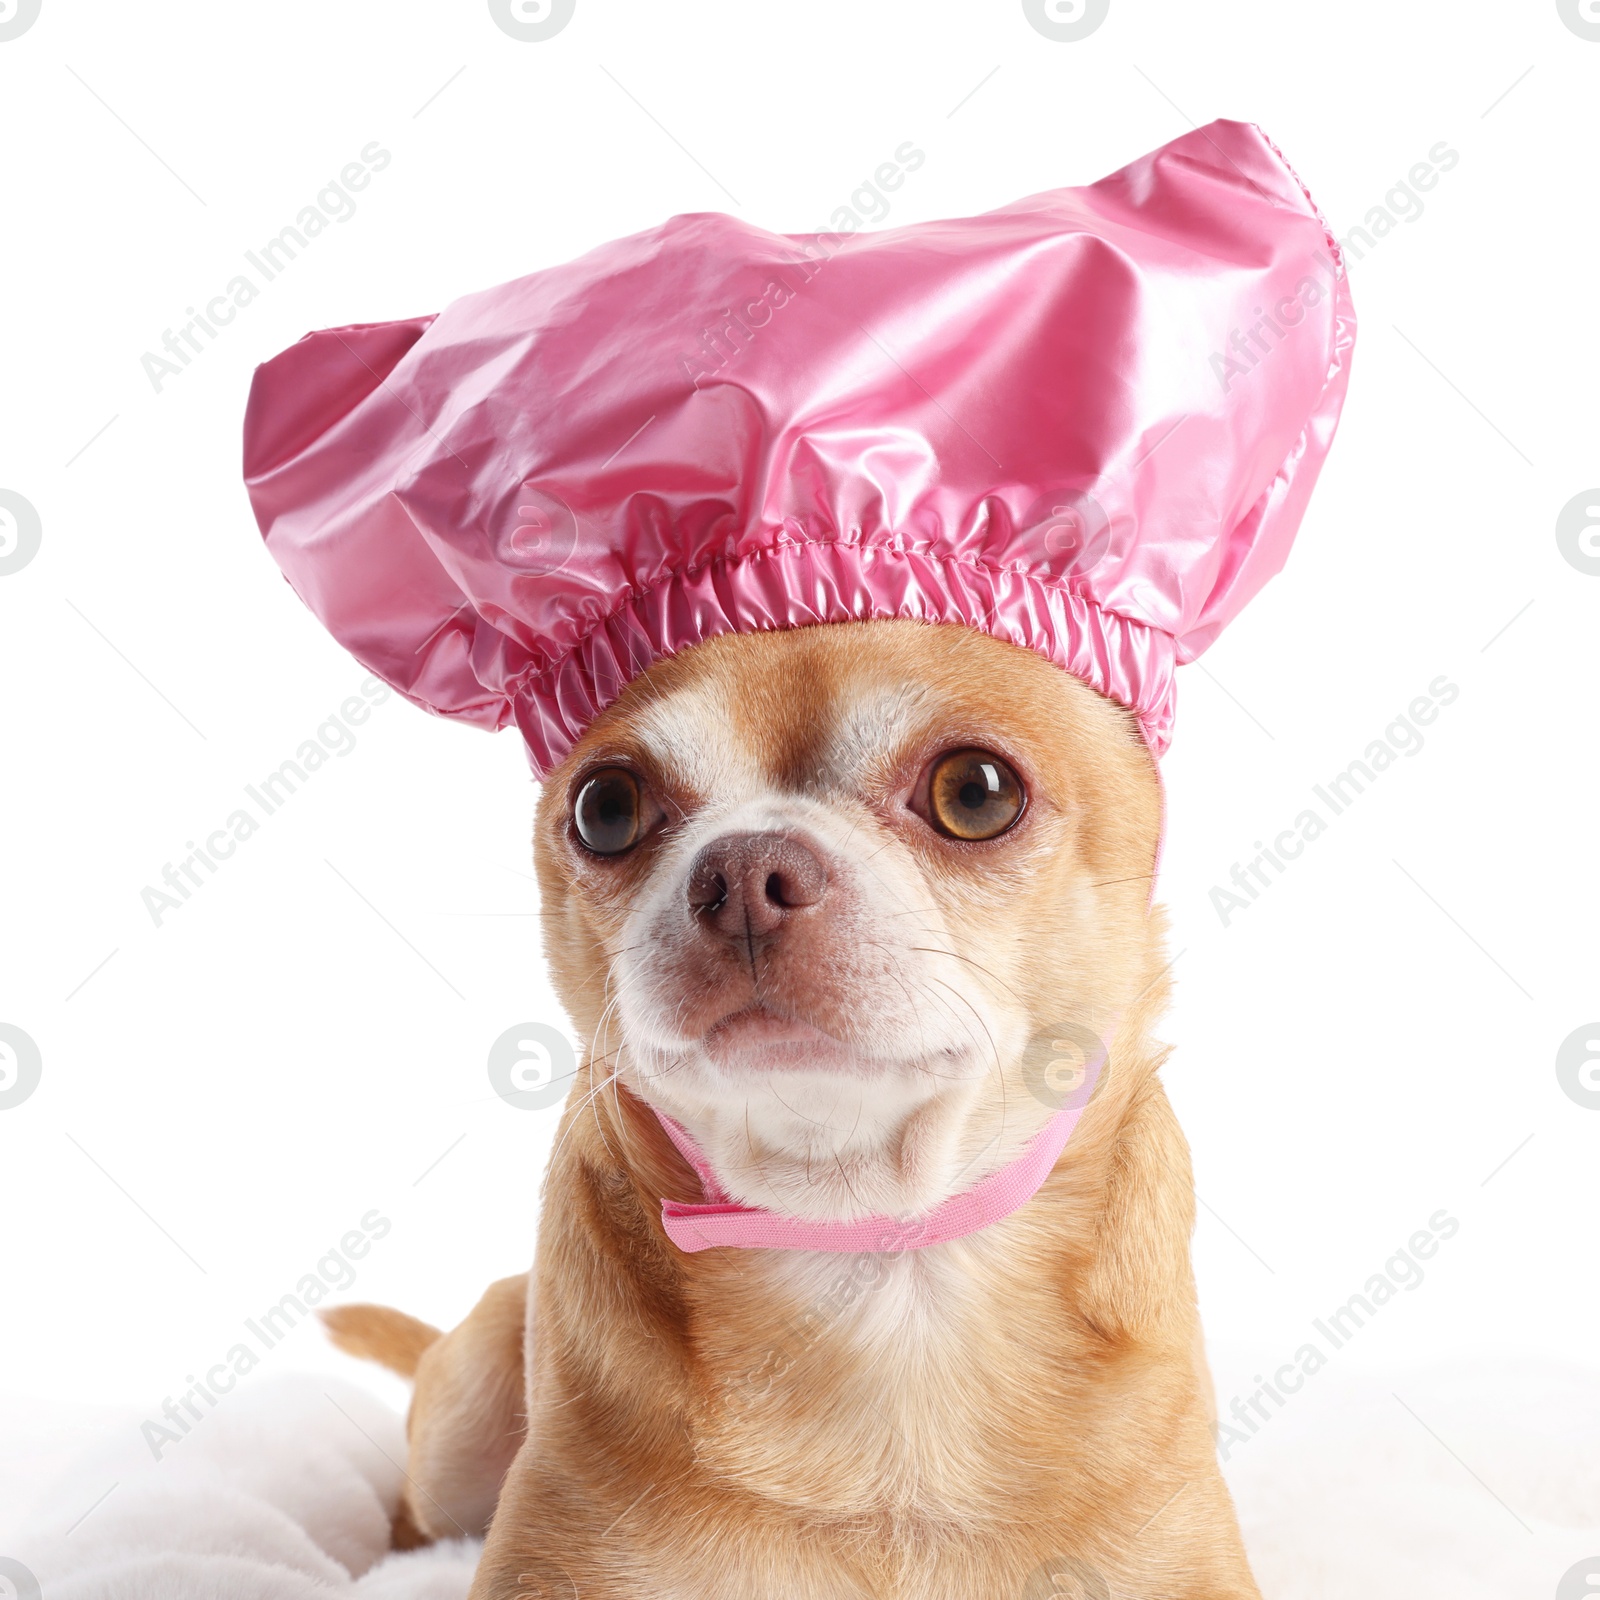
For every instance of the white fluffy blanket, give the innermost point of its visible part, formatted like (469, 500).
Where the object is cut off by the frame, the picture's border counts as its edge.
(1476, 1485)
(284, 1492)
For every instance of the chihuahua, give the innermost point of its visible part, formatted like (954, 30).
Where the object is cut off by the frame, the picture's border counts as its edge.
(839, 906)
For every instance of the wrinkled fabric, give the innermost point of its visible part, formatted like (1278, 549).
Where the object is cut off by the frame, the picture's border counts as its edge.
(1087, 423)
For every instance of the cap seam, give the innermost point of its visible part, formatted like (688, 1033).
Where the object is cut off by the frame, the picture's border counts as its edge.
(768, 552)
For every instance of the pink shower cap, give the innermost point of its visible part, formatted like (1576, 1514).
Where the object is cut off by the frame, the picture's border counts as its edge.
(1087, 423)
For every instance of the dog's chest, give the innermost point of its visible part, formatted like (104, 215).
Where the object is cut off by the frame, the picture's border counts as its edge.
(882, 1390)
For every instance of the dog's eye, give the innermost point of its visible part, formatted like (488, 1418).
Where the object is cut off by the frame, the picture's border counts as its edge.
(608, 811)
(973, 795)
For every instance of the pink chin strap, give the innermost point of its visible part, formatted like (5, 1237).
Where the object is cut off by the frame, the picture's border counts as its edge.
(724, 1222)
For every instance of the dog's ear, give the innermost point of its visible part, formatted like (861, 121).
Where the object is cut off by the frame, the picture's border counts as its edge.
(377, 1333)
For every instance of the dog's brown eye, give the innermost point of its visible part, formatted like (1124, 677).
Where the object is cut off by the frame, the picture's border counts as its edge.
(973, 795)
(608, 811)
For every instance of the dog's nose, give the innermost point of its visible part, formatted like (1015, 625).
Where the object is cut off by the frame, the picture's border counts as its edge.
(746, 884)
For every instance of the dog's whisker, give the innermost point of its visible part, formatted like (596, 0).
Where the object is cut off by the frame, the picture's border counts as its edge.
(845, 1176)
(994, 1047)
(574, 1115)
(795, 1112)
(612, 1009)
(955, 955)
(594, 1056)
(750, 1145)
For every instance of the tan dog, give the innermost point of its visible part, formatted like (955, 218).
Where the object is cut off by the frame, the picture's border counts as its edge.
(804, 928)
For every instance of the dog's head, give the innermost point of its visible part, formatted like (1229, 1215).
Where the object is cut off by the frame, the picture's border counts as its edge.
(851, 903)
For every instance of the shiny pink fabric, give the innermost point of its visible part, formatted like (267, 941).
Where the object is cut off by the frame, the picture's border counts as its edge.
(1087, 423)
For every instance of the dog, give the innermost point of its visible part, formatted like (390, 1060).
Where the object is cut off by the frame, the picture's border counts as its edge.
(842, 902)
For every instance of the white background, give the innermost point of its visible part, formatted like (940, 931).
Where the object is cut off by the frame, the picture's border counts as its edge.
(225, 1095)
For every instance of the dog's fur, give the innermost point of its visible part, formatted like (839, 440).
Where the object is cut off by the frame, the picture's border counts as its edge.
(1023, 1412)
